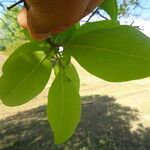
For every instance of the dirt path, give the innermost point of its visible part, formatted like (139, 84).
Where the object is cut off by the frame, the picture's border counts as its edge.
(135, 94)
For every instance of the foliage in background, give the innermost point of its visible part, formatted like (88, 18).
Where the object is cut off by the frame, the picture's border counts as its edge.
(11, 34)
(128, 7)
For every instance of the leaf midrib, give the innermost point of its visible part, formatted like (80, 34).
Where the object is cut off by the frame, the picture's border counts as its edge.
(104, 49)
(34, 68)
(62, 102)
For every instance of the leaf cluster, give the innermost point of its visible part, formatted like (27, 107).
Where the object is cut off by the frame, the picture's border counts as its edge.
(106, 49)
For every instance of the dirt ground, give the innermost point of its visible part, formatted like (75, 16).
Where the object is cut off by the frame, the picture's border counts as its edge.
(135, 94)
(115, 116)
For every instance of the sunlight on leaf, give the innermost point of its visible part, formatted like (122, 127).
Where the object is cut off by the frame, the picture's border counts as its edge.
(114, 54)
(63, 107)
(25, 74)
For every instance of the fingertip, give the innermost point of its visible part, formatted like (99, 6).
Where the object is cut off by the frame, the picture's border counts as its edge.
(22, 18)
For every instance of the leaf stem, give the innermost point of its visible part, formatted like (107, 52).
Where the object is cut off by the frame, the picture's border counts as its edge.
(51, 43)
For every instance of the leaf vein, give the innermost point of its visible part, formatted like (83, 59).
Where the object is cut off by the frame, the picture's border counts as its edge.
(108, 50)
(35, 67)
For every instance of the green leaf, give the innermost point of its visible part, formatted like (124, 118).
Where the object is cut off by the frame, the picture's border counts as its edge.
(72, 74)
(114, 54)
(64, 37)
(64, 107)
(56, 69)
(90, 26)
(111, 7)
(25, 75)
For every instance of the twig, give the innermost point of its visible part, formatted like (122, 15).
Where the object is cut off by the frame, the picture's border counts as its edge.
(102, 15)
(92, 14)
(15, 4)
(2, 6)
(51, 43)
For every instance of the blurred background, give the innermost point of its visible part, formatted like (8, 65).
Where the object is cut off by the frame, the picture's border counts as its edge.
(115, 116)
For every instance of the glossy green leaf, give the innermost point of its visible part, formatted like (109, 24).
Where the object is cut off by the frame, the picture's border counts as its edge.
(114, 54)
(63, 107)
(111, 7)
(90, 26)
(25, 74)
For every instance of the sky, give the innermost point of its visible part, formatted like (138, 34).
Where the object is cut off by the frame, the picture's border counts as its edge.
(143, 24)
(143, 21)
(145, 12)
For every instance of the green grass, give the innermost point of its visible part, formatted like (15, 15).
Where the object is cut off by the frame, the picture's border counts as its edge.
(105, 125)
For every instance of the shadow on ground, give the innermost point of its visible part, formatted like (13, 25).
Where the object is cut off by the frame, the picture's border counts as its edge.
(105, 125)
